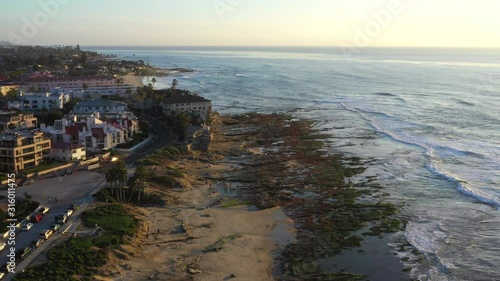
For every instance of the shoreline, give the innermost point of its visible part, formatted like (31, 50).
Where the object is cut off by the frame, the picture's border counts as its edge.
(138, 80)
(265, 184)
(133, 80)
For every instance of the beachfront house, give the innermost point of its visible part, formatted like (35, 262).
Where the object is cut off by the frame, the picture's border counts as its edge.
(190, 103)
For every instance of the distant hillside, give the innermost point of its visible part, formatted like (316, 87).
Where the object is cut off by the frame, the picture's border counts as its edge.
(5, 43)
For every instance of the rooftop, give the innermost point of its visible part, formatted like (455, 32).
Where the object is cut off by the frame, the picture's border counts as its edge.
(12, 135)
(47, 79)
(102, 102)
(185, 98)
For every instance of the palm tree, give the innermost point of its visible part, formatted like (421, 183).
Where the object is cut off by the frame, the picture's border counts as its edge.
(138, 181)
(120, 81)
(85, 86)
(174, 84)
(153, 81)
(121, 176)
(184, 120)
(111, 178)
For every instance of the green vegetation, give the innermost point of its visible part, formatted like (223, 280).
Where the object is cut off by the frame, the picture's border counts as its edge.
(166, 181)
(217, 246)
(117, 224)
(43, 167)
(159, 156)
(24, 208)
(75, 260)
(236, 202)
(130, 190)
(78, 258)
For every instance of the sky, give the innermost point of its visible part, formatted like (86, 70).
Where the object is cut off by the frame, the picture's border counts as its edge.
(359, 23)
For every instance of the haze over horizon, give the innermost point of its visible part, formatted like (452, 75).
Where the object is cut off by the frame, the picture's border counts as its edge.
(377, 23)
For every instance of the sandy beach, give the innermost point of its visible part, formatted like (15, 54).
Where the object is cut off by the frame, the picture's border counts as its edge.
(193, 220)
(130, 79)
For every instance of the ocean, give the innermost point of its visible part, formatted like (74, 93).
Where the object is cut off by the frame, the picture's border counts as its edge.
(428, 118)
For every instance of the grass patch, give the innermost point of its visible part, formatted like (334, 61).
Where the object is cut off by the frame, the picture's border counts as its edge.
(117, 224)
(166, 181)
(236, 202)
(43, 167)
(76, 259)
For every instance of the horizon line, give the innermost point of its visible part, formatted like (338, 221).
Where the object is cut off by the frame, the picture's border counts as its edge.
(267, 46)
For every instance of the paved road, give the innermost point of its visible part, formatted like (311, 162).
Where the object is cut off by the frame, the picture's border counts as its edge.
(164, 138)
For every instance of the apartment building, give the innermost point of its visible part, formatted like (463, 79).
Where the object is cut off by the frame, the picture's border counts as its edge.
(30, 101)
(46, 84)
(15, 120)
(23, 150)
(190, 103)
(103, 107)
(67, 152)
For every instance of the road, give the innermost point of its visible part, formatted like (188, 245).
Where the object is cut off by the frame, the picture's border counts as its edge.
(164, 138)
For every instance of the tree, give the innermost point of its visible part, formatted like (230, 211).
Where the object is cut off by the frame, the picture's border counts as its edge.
(153, 81)
(33, 89)
(116, 177)
(183, 120)
(111, 178)
(85, 86)
(174, 84)
(120, 81)
(12, 93)
(121, 176)
(138, 182)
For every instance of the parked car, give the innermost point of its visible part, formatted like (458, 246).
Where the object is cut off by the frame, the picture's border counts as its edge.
(68, 172)
(2, 246)
(61, 219)
(27, 226)
(68, 212)
(74, 207)
(26, 182)
(2, 275)
(44, 210)
(55, 226)
(22, 254)
(37, 243)
(36, 217)
(46, 233)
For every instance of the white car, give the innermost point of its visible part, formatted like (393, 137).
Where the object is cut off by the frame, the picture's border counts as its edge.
(68, 213)
(27, 226)
(2, 274)
(2, 246)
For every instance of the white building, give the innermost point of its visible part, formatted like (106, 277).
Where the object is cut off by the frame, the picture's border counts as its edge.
(91, 132)
(104, 107)
(95, 92)
(48, 83)
(67, 152)
(190, 103)
(30, 101)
